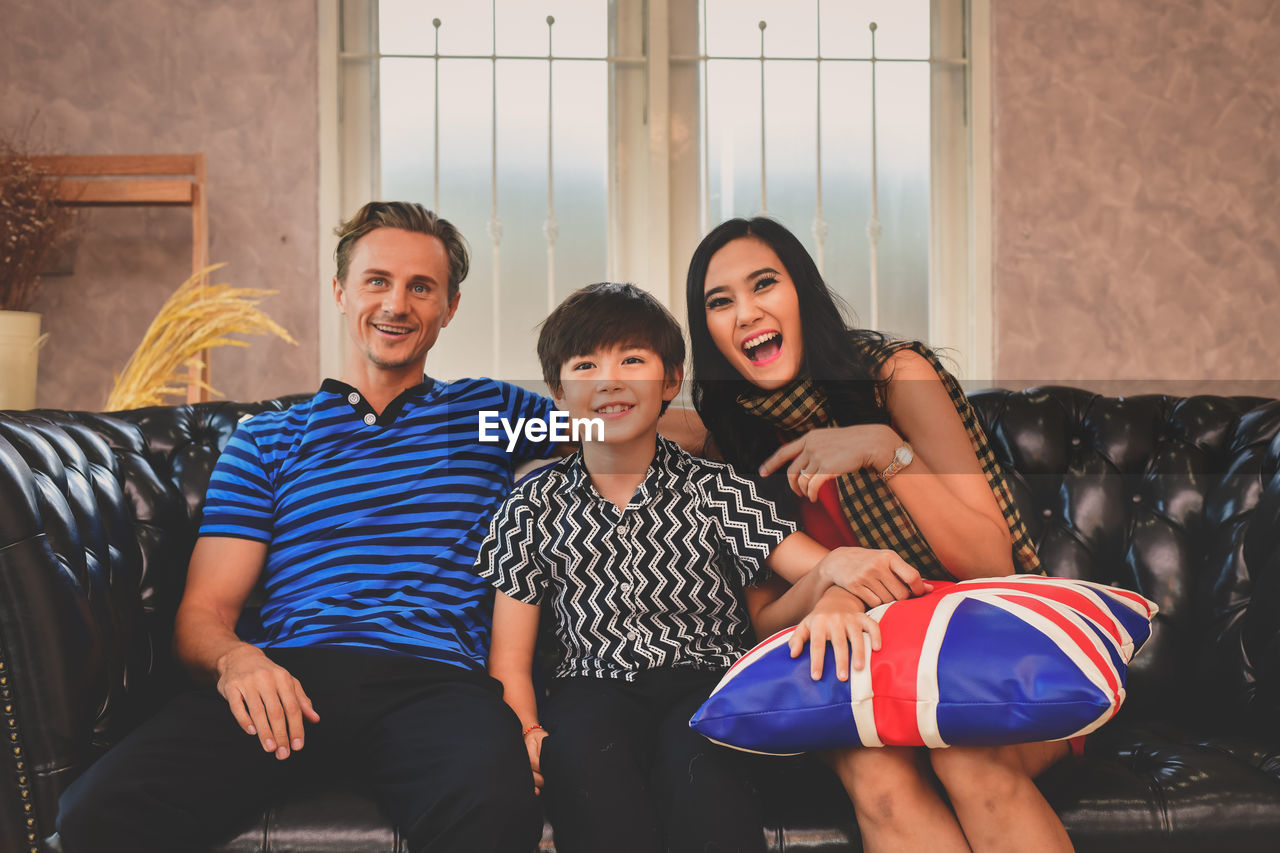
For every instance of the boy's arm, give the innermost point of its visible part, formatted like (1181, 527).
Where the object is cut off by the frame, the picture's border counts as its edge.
(775, 604)
(822, 614)
(515, 631)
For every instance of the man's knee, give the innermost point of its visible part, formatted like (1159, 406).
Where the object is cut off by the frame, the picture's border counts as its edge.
(489, 800)
(77, 817)
(93, 811)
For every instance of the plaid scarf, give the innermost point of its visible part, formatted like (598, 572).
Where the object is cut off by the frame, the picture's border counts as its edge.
(869, 506)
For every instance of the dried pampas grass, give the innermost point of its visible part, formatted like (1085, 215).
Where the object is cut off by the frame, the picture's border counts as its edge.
(198, 316)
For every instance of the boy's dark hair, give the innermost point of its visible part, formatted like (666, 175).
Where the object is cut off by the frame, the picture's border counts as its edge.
(608, 314)
(407, 216)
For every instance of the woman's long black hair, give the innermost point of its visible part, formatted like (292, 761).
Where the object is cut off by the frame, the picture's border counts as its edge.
(836, 357)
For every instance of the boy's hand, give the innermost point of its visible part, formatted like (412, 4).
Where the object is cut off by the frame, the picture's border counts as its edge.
(533, 743)
(839, 618)
(877, 577)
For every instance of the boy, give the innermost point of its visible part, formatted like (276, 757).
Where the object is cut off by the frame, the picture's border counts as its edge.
(641, 550)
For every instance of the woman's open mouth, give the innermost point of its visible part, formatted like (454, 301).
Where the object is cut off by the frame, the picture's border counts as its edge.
(763, 348)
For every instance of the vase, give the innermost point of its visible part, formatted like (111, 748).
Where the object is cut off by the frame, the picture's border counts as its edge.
(20, 342)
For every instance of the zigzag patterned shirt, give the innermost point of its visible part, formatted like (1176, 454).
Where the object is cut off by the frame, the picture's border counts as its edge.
(653, 586)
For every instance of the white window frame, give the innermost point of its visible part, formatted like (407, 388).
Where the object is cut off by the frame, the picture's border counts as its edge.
(655, 214)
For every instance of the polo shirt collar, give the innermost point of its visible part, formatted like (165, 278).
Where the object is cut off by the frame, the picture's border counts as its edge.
(365, 412)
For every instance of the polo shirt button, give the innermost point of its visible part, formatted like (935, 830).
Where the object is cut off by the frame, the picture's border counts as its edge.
(353, 398)
(370, 418)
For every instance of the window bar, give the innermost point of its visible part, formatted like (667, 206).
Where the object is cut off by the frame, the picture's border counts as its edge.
(550, 227)
(873, 225)
(764, 205)
(495, 224)
(706, 127)
(819, 223)
(435, 124)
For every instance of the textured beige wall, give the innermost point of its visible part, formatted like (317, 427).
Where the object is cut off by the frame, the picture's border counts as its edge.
(235, 79)
(1137, 189)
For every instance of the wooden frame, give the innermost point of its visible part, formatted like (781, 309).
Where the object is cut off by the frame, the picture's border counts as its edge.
(138, 180)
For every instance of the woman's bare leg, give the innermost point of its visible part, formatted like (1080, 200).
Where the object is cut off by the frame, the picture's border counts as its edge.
(897, 807)
(997, 803)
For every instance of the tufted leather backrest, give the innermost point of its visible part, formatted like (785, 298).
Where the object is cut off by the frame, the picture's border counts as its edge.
(98, 515)
(1155, 494)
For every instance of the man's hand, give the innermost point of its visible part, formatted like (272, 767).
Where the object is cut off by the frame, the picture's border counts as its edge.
(877, 577)
(265, 699)
(533, 743)
(840, 619)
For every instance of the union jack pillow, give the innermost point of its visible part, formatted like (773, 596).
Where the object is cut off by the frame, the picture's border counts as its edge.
(980, 663)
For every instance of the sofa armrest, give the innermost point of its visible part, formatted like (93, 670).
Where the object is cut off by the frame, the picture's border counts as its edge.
(78, 652)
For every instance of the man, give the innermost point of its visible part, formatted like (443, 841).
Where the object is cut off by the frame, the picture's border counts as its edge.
(361, 509)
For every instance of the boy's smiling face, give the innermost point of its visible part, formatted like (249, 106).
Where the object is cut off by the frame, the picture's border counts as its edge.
(623, 386)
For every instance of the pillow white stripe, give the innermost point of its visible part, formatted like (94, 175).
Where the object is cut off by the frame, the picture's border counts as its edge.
(861, 696)
(927, 693)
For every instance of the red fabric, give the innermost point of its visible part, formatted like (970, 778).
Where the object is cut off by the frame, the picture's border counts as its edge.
(824, 520)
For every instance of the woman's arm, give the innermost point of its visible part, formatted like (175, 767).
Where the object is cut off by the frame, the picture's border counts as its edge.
(943, 489)
(515, 632)
(874, 576)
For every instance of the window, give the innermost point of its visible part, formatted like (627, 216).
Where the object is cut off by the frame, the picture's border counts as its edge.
(530, 125)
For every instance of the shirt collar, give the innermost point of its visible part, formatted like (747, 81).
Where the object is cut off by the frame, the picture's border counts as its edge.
(668, 470)
(356, 399)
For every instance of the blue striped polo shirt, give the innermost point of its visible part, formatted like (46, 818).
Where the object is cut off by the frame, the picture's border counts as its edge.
(373, 521)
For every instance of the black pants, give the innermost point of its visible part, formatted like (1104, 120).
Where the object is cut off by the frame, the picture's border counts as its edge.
(435, 744)
(624, 772)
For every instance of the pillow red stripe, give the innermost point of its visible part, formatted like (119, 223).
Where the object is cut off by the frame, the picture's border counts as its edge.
(1073, 598)
(896, 666)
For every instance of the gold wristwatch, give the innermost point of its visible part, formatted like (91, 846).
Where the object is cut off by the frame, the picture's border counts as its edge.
(902, 457)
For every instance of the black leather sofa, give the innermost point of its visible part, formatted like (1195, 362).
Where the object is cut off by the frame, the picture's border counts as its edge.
(1178, 498)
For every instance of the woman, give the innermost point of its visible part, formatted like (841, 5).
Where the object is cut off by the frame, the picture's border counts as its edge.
(883, 451)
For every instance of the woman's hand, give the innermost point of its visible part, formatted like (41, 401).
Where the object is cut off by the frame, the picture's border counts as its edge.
(821, 454)
(533, 743)
(839, 619)
(875, 576)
